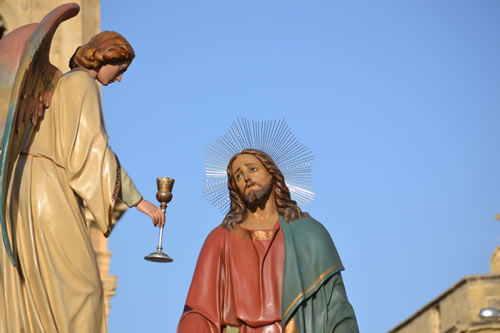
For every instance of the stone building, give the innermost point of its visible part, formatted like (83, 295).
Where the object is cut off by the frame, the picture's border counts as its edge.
(70, 34)
(457, 309)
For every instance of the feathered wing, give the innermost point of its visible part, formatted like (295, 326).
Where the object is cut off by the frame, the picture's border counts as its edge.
(30, 92)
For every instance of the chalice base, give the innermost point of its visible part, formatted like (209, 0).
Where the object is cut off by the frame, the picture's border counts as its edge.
(158, 256)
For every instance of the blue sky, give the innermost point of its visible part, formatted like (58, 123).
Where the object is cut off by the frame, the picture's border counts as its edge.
(399, 100)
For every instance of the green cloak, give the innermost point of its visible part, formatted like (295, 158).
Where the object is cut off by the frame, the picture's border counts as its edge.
(313, 291)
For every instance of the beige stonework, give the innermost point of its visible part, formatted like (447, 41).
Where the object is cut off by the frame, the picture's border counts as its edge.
(70, 35)
(109, 282)
(457, 309)
(495, 261)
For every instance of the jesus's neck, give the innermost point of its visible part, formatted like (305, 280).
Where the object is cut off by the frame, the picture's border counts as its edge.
(263, 217)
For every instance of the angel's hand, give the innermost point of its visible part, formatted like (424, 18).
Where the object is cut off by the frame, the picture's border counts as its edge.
(152, 211)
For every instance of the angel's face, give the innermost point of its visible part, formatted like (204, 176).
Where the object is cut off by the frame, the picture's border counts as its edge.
(110, 73)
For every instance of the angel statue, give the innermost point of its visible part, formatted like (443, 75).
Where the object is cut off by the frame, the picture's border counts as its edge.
(55, 164)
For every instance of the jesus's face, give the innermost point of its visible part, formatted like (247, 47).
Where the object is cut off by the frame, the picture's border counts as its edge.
(252, 179)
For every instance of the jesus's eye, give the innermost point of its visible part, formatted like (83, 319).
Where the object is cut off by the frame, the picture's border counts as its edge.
(253, 169)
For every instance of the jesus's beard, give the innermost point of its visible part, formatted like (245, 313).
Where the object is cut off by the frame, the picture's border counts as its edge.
(258, 196)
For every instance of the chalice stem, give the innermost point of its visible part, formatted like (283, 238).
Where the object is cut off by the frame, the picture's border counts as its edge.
(160, 241)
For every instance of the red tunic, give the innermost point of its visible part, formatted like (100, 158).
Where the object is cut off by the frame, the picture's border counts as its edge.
(237, 282)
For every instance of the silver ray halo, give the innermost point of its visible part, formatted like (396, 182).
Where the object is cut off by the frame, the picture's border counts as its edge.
(273, 137)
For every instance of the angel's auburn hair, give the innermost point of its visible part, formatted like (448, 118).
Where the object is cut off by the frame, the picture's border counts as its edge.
(107, 47)
(286, 207)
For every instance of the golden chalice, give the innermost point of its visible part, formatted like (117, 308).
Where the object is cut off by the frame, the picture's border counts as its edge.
(164, 195)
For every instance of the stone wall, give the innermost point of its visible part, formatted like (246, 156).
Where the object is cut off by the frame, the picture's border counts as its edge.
(457, 309)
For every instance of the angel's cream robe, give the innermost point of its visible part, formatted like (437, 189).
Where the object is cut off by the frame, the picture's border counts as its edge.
(56, 286)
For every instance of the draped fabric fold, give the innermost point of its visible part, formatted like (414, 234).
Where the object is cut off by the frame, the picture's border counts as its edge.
(313, 294)
(237, 283)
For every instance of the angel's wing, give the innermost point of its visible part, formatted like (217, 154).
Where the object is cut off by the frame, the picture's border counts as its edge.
(27, 81)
